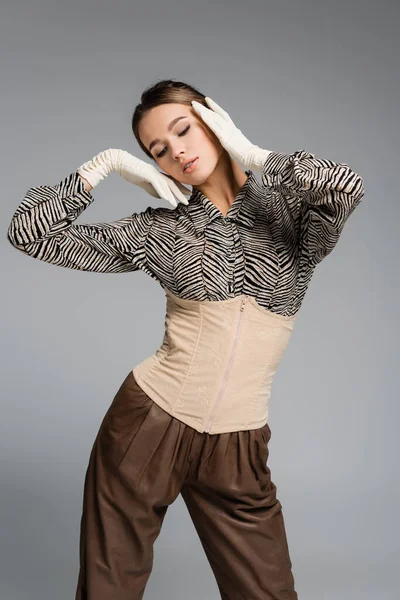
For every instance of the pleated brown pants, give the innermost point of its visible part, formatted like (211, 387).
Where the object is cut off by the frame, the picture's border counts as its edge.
(141, 459)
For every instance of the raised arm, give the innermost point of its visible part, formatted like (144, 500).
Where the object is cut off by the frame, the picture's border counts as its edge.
(317, 195)
(43, 227)
(43, 224)
(314, 196)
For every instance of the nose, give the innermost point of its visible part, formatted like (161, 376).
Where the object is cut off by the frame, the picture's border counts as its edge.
(178, 152)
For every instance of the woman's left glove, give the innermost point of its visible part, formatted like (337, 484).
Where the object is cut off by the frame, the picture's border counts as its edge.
(232, 139)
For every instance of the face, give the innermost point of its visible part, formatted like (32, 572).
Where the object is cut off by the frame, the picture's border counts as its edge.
(172, 143)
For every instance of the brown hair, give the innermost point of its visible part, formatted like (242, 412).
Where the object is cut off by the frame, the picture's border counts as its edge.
(165, 91)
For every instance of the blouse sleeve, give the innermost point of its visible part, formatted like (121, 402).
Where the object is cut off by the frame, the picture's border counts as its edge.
(43, 227)
(316, 195)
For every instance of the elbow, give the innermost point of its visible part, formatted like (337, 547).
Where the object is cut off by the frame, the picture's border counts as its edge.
(13, 237)
(358, 190)
(361, 187)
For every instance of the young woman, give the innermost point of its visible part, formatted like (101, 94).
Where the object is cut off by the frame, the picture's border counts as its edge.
(235, 259)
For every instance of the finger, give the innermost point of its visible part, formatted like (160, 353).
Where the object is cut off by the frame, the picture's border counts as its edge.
(174, 190)
(200, 108)
(166, 193)
(182, 188)
(218, 109)
(149, 188)
(178, 194)
(209, 117)
(161, 186)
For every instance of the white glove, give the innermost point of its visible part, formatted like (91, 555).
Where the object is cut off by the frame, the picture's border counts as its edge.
(232, 139)
(135, 171)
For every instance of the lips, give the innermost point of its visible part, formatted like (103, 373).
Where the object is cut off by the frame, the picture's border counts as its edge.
(188, 161)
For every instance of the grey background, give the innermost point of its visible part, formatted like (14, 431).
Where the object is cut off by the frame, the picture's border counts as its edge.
(323, 76)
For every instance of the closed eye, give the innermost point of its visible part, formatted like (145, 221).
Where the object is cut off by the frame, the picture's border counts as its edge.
(160, 154)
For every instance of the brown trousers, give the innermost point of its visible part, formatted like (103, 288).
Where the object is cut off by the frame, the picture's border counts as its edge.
(141, 459)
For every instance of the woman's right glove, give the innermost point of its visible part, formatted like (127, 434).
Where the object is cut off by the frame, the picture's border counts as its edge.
(136, 171)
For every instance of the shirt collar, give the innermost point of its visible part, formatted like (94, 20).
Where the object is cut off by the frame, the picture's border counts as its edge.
(243, 209)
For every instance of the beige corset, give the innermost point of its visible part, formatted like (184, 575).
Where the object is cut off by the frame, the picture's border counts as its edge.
(215, 367)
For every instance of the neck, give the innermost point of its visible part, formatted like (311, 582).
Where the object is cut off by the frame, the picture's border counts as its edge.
(224, 183)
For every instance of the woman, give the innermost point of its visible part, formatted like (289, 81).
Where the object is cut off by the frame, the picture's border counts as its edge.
(235, 260)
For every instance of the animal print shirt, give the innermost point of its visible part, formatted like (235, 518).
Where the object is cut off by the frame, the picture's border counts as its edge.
(266, 246)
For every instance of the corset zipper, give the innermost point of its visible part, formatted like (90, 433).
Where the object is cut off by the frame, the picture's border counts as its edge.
(229, 367)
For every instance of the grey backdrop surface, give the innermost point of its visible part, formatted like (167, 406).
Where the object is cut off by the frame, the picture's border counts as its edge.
(323, 76)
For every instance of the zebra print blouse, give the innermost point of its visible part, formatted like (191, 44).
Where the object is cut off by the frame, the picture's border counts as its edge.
(267, 245)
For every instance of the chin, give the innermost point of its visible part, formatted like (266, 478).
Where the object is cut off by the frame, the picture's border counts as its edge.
(201, 173)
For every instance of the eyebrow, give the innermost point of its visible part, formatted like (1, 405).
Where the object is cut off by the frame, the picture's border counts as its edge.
(170, 126)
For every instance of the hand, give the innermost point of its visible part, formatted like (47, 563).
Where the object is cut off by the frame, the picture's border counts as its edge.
(136, 171)
(157, 184)
(232, 139)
